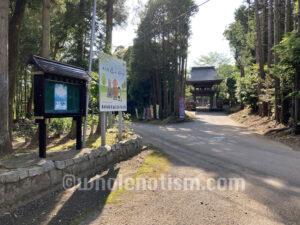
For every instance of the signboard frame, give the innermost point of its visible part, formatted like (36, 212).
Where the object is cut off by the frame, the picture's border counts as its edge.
(48, 71)
(40, 93)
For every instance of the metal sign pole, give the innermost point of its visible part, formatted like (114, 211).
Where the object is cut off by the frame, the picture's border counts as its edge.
(103, 128)
(120, 125)
(90, 71)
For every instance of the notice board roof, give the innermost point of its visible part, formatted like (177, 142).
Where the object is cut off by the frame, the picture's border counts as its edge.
(57, 68)
(204, 74)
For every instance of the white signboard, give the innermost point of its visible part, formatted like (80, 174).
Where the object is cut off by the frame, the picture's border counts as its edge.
(112, 84)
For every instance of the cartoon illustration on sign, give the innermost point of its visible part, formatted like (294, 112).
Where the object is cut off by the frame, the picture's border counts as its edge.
(116, 90)
(109, 90)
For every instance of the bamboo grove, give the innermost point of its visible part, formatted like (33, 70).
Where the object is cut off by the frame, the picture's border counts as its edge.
(265, 39)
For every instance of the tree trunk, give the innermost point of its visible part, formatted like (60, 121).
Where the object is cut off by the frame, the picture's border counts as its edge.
(263, 33)
(176, 86)
(276, 58)
(288, 17)
(109, 26)
(5, 144)
(30, 101)
(259, 52)
(93, 120)
(79, 34)
(270, 46)
(158, 88)
(46, 29)
(72, 133)
(285, 103)
(270, 35)
(165, 87)
(13, 54)
(98, 130)
(297, 86)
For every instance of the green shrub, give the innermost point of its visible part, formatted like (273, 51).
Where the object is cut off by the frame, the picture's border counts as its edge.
(60, 126)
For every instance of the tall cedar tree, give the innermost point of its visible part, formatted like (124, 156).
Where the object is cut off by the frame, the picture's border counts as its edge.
(5, 144)
(297, 84)
(13, 54)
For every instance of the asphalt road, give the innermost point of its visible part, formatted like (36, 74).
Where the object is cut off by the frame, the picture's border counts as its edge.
(215, 146)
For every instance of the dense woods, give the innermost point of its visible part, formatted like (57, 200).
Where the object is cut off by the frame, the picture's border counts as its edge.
(158, 59)
(265, 42)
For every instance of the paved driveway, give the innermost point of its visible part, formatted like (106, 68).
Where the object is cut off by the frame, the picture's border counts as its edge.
(215, 146)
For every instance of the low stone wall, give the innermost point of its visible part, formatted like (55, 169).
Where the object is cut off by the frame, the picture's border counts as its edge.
(18, 183)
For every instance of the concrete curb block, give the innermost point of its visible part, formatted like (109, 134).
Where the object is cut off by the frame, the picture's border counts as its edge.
(17, 183)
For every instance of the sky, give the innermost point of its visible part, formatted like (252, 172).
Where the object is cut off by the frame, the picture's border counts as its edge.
(208, 26)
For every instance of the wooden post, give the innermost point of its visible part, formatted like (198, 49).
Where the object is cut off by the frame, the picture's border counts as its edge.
(78, 133)
(42, 138)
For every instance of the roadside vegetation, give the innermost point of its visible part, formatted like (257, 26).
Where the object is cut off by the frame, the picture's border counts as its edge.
(265, 39)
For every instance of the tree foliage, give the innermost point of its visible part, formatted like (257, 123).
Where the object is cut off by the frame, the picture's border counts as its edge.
(269, 83)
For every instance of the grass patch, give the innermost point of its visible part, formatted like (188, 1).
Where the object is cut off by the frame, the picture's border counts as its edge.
(70, 144)
(155, 164)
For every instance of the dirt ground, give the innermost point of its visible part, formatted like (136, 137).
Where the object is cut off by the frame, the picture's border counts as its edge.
(268, 127)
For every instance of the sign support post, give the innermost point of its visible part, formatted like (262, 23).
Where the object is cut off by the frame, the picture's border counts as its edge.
(120, 125)
(103, 129)
(78, 133)
(42, 138)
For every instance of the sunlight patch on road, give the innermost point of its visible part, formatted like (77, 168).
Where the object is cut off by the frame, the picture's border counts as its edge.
(274, 182)
(186, 129)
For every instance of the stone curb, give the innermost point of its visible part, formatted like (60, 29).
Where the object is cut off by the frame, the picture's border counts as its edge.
(15, 183)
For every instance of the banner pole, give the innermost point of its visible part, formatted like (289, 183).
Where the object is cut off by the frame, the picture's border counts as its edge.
(90, 71)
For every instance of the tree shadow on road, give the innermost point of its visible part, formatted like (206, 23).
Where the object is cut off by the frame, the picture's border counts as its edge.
(228, 151)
